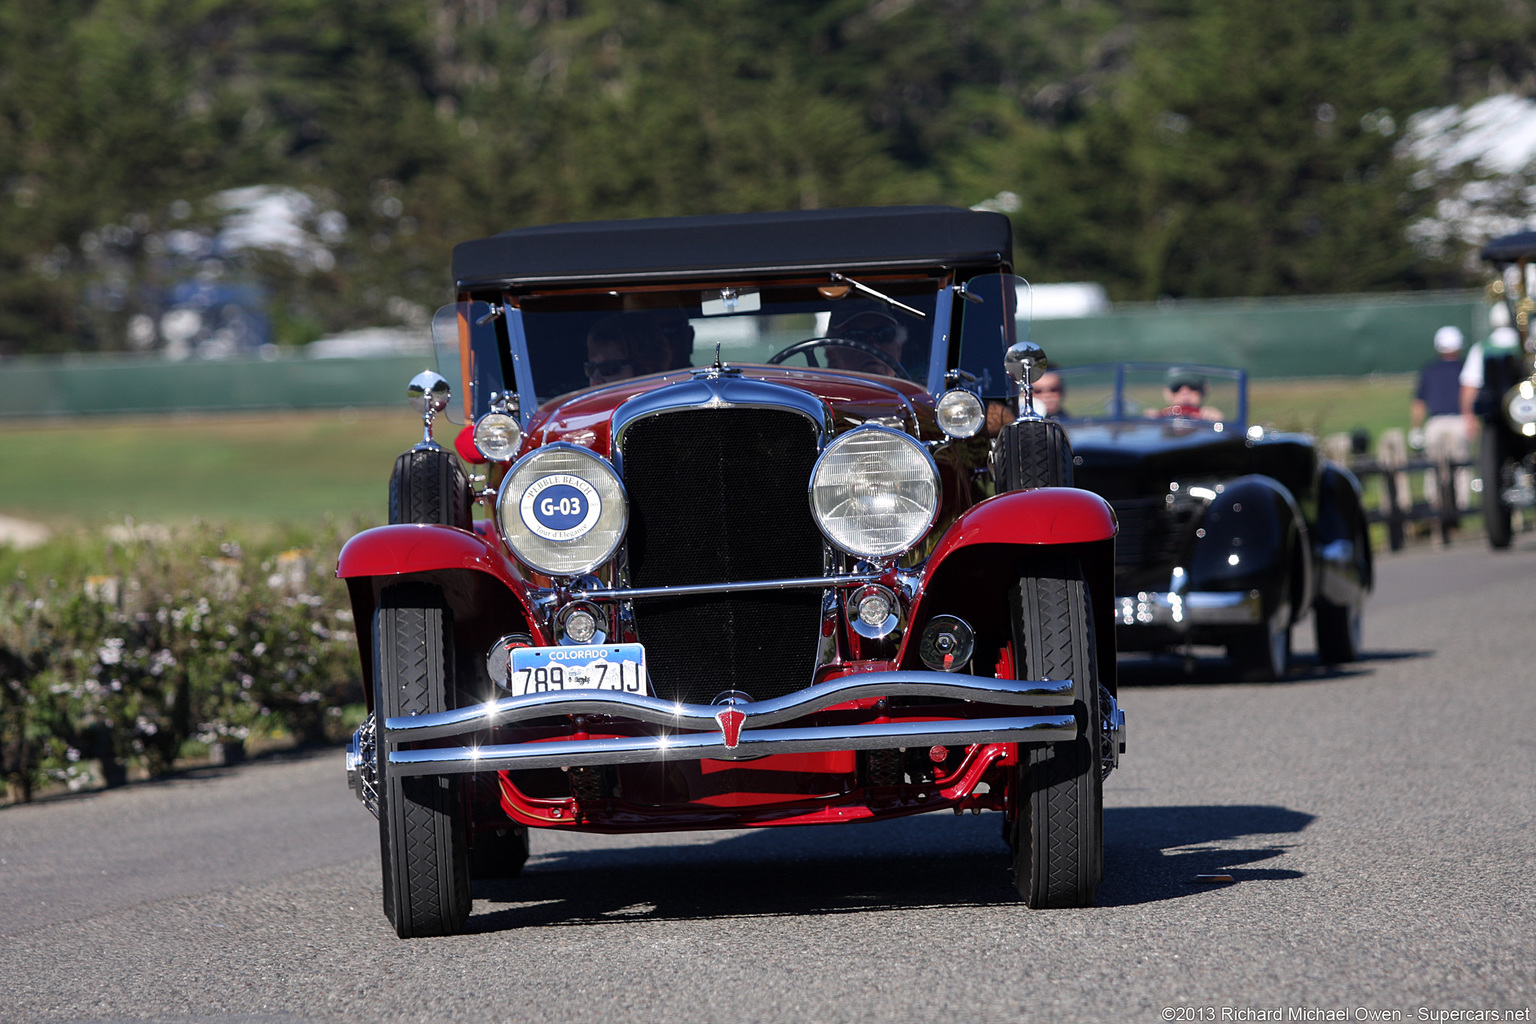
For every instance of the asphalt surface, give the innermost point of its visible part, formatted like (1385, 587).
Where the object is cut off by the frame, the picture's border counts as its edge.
(1378, 821)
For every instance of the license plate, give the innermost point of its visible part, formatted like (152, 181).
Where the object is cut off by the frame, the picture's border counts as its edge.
(552, 669)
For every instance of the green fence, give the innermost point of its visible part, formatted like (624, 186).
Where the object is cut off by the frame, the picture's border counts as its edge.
(1350, 335)
(1341, 335)
(89, 384)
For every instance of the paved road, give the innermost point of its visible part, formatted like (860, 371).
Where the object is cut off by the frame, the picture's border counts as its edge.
(1379, 821)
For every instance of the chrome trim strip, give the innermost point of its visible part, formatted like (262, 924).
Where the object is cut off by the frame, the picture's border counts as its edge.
(507, 710)
(725, 391)
(1181, 611)
(802, 583)
(752, 743)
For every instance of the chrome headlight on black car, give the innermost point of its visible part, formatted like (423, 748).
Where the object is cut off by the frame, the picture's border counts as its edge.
(1520, 408)
(874, 492)
(563, 510)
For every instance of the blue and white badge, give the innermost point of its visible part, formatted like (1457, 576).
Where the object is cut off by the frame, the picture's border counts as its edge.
(560, 506)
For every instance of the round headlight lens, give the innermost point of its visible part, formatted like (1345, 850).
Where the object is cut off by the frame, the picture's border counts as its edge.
(960, 413)
(497, 436)
(874, 492)
(562, 510)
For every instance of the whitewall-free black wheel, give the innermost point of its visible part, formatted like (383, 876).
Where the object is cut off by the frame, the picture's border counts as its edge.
(422, 843)
(1058, 817)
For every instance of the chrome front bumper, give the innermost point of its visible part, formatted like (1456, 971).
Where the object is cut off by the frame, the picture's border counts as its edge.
(1179, 612)
(723, 731)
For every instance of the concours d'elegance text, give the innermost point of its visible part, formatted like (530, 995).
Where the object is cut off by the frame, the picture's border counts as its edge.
(1339, 1013)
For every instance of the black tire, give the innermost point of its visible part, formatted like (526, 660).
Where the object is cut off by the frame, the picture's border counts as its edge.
(1338, 627)
(1058, 817)
(422, 842)
(1492, 461)
(1338, 631)
(1262, 653)
(1032, 453)
(499, 854)
(429, 485)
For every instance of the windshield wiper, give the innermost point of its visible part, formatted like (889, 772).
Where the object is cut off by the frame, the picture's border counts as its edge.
(867, 290)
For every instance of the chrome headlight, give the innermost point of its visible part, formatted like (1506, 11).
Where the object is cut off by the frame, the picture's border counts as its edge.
(874, 492)
(1520, 408)
(497, 436)
(960, 413)
(562, 510)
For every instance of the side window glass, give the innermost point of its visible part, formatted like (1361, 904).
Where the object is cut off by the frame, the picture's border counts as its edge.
(469, 355)
(994, 314)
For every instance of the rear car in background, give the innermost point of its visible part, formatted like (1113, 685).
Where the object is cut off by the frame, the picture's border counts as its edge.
(1230, 534)
(1506, 401)
(738, 560)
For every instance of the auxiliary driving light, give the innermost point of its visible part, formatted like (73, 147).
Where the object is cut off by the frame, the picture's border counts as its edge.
(946, 644)
(497, 436)
(578, 624)
(960, 413)
(873, 611)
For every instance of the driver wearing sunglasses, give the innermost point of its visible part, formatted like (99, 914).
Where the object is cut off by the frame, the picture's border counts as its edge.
(627, 345)
(869, 329)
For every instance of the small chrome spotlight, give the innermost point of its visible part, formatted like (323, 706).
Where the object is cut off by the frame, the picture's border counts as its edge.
(581, 624)
(873, 612)
(947, 643)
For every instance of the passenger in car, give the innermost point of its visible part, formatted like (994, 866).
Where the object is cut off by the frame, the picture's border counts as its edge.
(1184, 396)
(1050, 391)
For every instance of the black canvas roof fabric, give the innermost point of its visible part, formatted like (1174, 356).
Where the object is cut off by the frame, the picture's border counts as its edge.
(1511, 247)
(677, 246)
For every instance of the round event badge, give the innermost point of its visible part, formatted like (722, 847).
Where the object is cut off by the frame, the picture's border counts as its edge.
(560, 506)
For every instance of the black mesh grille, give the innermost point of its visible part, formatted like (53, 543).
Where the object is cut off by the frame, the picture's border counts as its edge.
(720, 496)
(1152, 536)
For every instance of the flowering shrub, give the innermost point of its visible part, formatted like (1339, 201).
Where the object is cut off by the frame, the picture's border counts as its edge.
(175, 639)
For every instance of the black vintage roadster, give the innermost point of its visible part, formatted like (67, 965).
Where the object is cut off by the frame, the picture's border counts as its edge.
(1229, 533)
(1506, 398)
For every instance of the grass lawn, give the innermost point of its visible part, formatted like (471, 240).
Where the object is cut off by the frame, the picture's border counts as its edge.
(298, 467)
(283, 467)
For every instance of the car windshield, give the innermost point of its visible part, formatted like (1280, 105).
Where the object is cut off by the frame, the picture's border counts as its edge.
(579, 340)
(1137, 391)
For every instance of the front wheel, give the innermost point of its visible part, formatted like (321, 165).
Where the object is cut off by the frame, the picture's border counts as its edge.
(422, 841)
(1262, 653)
(1058, 813)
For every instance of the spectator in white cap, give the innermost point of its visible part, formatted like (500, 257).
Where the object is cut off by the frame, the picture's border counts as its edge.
(1438, 428)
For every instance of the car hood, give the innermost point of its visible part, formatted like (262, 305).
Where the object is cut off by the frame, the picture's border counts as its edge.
(1130, 459)
(586, 417)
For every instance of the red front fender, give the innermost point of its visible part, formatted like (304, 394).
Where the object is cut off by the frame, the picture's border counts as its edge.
(983, 554)
(407, 547)
(1048, 515)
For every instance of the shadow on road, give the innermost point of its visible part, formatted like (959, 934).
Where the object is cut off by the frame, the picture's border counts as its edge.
(1155, 853)
(927, 862)
(1210, 668)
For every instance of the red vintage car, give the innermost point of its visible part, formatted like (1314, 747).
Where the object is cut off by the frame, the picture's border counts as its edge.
(742, 542)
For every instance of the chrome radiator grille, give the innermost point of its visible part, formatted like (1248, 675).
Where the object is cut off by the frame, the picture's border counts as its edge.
(720, 496)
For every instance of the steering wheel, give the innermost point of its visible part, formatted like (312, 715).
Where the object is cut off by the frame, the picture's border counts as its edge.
(809, 344)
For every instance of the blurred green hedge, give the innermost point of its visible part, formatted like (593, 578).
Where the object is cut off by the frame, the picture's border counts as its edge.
(126, 651)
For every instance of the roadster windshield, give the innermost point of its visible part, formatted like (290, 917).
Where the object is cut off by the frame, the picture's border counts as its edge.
(578, 340)
(1137, 391)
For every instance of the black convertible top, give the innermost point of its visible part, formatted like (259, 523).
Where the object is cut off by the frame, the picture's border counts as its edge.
(1510, 247)
(870, 237)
